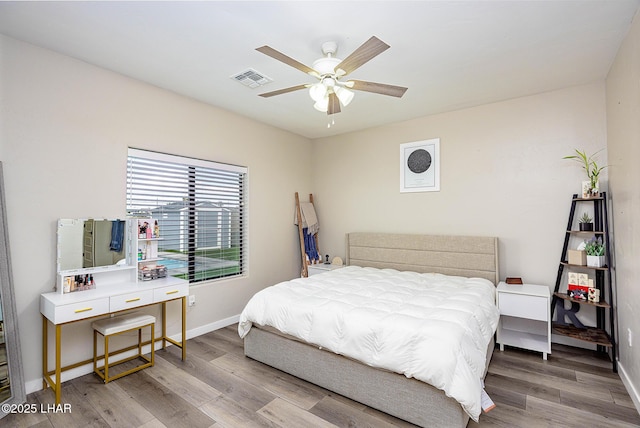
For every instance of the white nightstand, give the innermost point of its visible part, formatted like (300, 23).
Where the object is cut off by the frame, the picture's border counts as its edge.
(525, 317)
(319, 268)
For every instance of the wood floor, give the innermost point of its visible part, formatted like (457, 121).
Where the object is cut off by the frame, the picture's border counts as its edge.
(218, 387)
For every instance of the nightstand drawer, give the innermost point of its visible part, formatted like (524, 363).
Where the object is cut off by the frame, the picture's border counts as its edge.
(522, 306)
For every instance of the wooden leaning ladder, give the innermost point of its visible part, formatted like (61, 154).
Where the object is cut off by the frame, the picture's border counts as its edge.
(303, 253)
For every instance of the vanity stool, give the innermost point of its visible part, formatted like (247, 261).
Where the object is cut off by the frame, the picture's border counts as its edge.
(121, 324)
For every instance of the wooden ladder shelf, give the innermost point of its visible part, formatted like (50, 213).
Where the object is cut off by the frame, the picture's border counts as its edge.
(603, 334)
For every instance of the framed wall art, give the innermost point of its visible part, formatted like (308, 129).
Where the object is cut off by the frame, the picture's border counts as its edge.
(420, 166)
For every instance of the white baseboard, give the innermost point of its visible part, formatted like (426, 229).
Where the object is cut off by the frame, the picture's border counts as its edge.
(36, 384)
(199, 331)
(631, 389)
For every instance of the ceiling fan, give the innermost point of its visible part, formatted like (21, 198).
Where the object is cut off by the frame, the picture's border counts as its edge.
(331, 91)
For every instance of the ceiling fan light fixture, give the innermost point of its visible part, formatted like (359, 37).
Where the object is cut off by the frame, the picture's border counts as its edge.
(326, 65)
(344, 95)
(317, 91)
(322, 105)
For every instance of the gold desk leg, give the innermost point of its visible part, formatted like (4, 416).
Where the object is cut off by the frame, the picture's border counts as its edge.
(58, 361)
(45, 351)
(164, 325)
(184, 328)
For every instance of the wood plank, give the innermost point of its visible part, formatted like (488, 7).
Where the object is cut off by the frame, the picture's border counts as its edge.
(499, 389)
(228, 413)
(527, 361)
(606, 409)
(27, 420)
(82, 413)
(219, 339)
(189, 388)
(247, 395)
(202, 349)
(113, 404)
(295, 390)
(168, 407)
(288, 415)
(568, 417)
(342, 415)
(505, 416)
(154, 424)
(551, 381)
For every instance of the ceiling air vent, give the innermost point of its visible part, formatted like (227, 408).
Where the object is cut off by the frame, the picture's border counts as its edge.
(251, 78)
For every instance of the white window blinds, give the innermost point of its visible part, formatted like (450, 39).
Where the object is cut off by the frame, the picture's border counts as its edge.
(200, 209)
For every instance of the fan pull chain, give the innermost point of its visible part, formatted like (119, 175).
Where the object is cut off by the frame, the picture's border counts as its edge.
(330, 121)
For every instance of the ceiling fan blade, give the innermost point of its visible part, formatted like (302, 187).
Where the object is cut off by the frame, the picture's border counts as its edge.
(334, 104)
(377, 88)
(269, 51)
(367, 51)
(283, 91)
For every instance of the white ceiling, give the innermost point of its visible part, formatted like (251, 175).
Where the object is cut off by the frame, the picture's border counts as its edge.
(450, 54)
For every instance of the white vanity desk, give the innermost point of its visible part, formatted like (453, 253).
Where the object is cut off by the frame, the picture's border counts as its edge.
(110, 297)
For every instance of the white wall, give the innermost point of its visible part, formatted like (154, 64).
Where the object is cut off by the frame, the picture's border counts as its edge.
(502, 175)
(64, 131)
(623, 129)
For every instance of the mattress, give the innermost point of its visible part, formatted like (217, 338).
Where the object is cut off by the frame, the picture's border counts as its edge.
(431, 327)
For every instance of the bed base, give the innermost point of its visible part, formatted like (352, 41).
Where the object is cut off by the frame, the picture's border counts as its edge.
(392, 393)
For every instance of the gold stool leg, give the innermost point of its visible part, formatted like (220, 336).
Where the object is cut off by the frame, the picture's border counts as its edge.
(106, 359)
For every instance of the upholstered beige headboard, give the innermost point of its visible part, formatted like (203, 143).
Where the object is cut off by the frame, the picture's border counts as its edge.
(469, 256)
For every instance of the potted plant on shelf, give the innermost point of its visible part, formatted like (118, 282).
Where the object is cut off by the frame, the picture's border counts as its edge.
(595, 252)
(591, 187)
(586, 223)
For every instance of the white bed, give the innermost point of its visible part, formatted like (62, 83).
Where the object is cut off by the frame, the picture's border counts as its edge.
(387, 331)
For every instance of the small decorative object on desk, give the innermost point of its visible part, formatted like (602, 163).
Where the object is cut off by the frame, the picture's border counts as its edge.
(147, 273)
(78, 283)
(594, 295)
(514, 281)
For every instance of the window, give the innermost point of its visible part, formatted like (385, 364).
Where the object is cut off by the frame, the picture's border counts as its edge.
(200, 208)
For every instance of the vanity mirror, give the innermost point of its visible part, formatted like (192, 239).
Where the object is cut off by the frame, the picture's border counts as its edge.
(12, 390)
(91, 243)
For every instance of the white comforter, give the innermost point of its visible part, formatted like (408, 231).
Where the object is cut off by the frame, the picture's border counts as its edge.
(432, 327)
